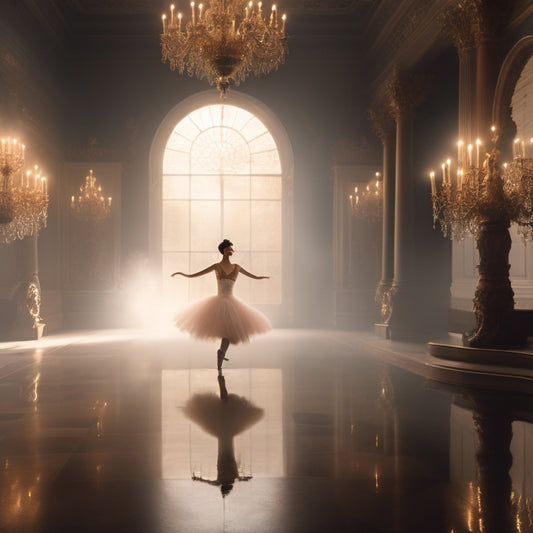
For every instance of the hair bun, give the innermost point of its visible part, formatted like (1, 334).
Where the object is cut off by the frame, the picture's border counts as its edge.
(224, 244)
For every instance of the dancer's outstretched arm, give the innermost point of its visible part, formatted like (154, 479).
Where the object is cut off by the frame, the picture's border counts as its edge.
(253, 276)
(196, 274)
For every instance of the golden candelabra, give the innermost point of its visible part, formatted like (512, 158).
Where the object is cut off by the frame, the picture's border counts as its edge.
(90, 205)
(368, 204)
(23, 195)
(224, 42)
(482, 198)
(481, 187)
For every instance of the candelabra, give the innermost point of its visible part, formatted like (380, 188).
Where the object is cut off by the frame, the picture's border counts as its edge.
(482, 199)
(23, 195)
(223, 43)
(368, 204)
(90, 205)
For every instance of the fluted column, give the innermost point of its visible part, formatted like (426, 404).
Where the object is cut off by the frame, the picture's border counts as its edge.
(406, 90)
(385, 127)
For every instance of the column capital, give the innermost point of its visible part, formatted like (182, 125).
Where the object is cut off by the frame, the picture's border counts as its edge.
(405, 90)
(383, 122)
(470, 22)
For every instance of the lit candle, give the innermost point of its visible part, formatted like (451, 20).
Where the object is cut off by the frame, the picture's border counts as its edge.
(275, 13)
(109, 201)
(192, 9)
(233, 25)
(259, 7)
(443, 173)
(469, 155)
(272, 14)
(283, 18)
(432, 178)
(164, 18)
(478, 144)
(200, 8)
(72, 200)
(251, 6)
(43, 185)
(351, 200)
(448, 166)
(515, 148)
(179, 22)
(356, 200)
(172, 7)
(460, 153)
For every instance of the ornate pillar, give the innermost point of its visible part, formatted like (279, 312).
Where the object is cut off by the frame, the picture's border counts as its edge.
(385, 127)
(27, 292)
(406, 90)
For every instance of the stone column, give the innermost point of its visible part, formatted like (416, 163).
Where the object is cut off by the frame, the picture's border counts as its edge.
(406, 90)
(385, 127)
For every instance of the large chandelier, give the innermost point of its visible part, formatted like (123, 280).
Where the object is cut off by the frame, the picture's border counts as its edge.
(480, 196)
(23, 195)
(224, 41)
(368, 204)
(477, 187)
(90, 205)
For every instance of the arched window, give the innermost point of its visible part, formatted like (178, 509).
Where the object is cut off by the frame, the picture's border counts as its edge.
(222, 178)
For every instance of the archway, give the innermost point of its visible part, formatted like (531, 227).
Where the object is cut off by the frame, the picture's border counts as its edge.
(223, 169)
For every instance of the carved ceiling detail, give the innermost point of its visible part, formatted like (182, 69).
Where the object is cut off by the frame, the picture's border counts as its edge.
(138, 7)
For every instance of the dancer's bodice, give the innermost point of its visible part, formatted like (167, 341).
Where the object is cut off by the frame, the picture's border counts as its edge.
(225, 282)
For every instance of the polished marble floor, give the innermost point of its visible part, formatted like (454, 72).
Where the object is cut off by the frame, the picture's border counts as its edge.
(304, 431)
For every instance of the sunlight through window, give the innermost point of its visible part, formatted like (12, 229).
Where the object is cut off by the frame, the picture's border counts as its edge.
(222, 179)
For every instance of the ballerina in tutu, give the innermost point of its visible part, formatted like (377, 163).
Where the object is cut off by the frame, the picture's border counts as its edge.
(222, 316)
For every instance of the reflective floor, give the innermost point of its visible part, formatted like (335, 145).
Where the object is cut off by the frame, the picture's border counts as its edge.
(122, 432)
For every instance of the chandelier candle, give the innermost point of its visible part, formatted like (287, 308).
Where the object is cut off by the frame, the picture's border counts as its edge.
(23, 196)
(224, 42)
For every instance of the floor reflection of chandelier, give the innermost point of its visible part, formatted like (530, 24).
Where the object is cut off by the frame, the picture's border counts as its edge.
(368, 204)
(224, 41)
(90, 205)
(23, 195)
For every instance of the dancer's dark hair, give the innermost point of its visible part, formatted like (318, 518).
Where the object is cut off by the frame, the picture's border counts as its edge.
(224, 244)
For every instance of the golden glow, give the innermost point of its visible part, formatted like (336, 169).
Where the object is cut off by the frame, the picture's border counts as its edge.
(23, 196)
(369, 204)
(90, 205)
(224, 43)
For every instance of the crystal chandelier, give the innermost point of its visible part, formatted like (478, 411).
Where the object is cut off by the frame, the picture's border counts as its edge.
(481, 188)
(368, 204)
(482, 198)
(90, 205)
(23, 195)
(224, 42)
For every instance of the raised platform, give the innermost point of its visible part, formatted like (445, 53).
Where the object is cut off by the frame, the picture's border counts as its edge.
(482, 356)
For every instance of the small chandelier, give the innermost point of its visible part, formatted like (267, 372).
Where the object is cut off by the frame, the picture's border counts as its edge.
(224, 42)
(23, 195)
(368, 204)
(90, 205)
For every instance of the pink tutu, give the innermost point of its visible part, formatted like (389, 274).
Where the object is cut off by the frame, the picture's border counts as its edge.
(222, 316)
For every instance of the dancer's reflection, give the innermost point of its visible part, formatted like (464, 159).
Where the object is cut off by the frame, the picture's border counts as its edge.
(223, 418)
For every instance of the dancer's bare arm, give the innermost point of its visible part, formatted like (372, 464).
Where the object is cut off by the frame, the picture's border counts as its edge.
(250, 275)
(196, 274)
